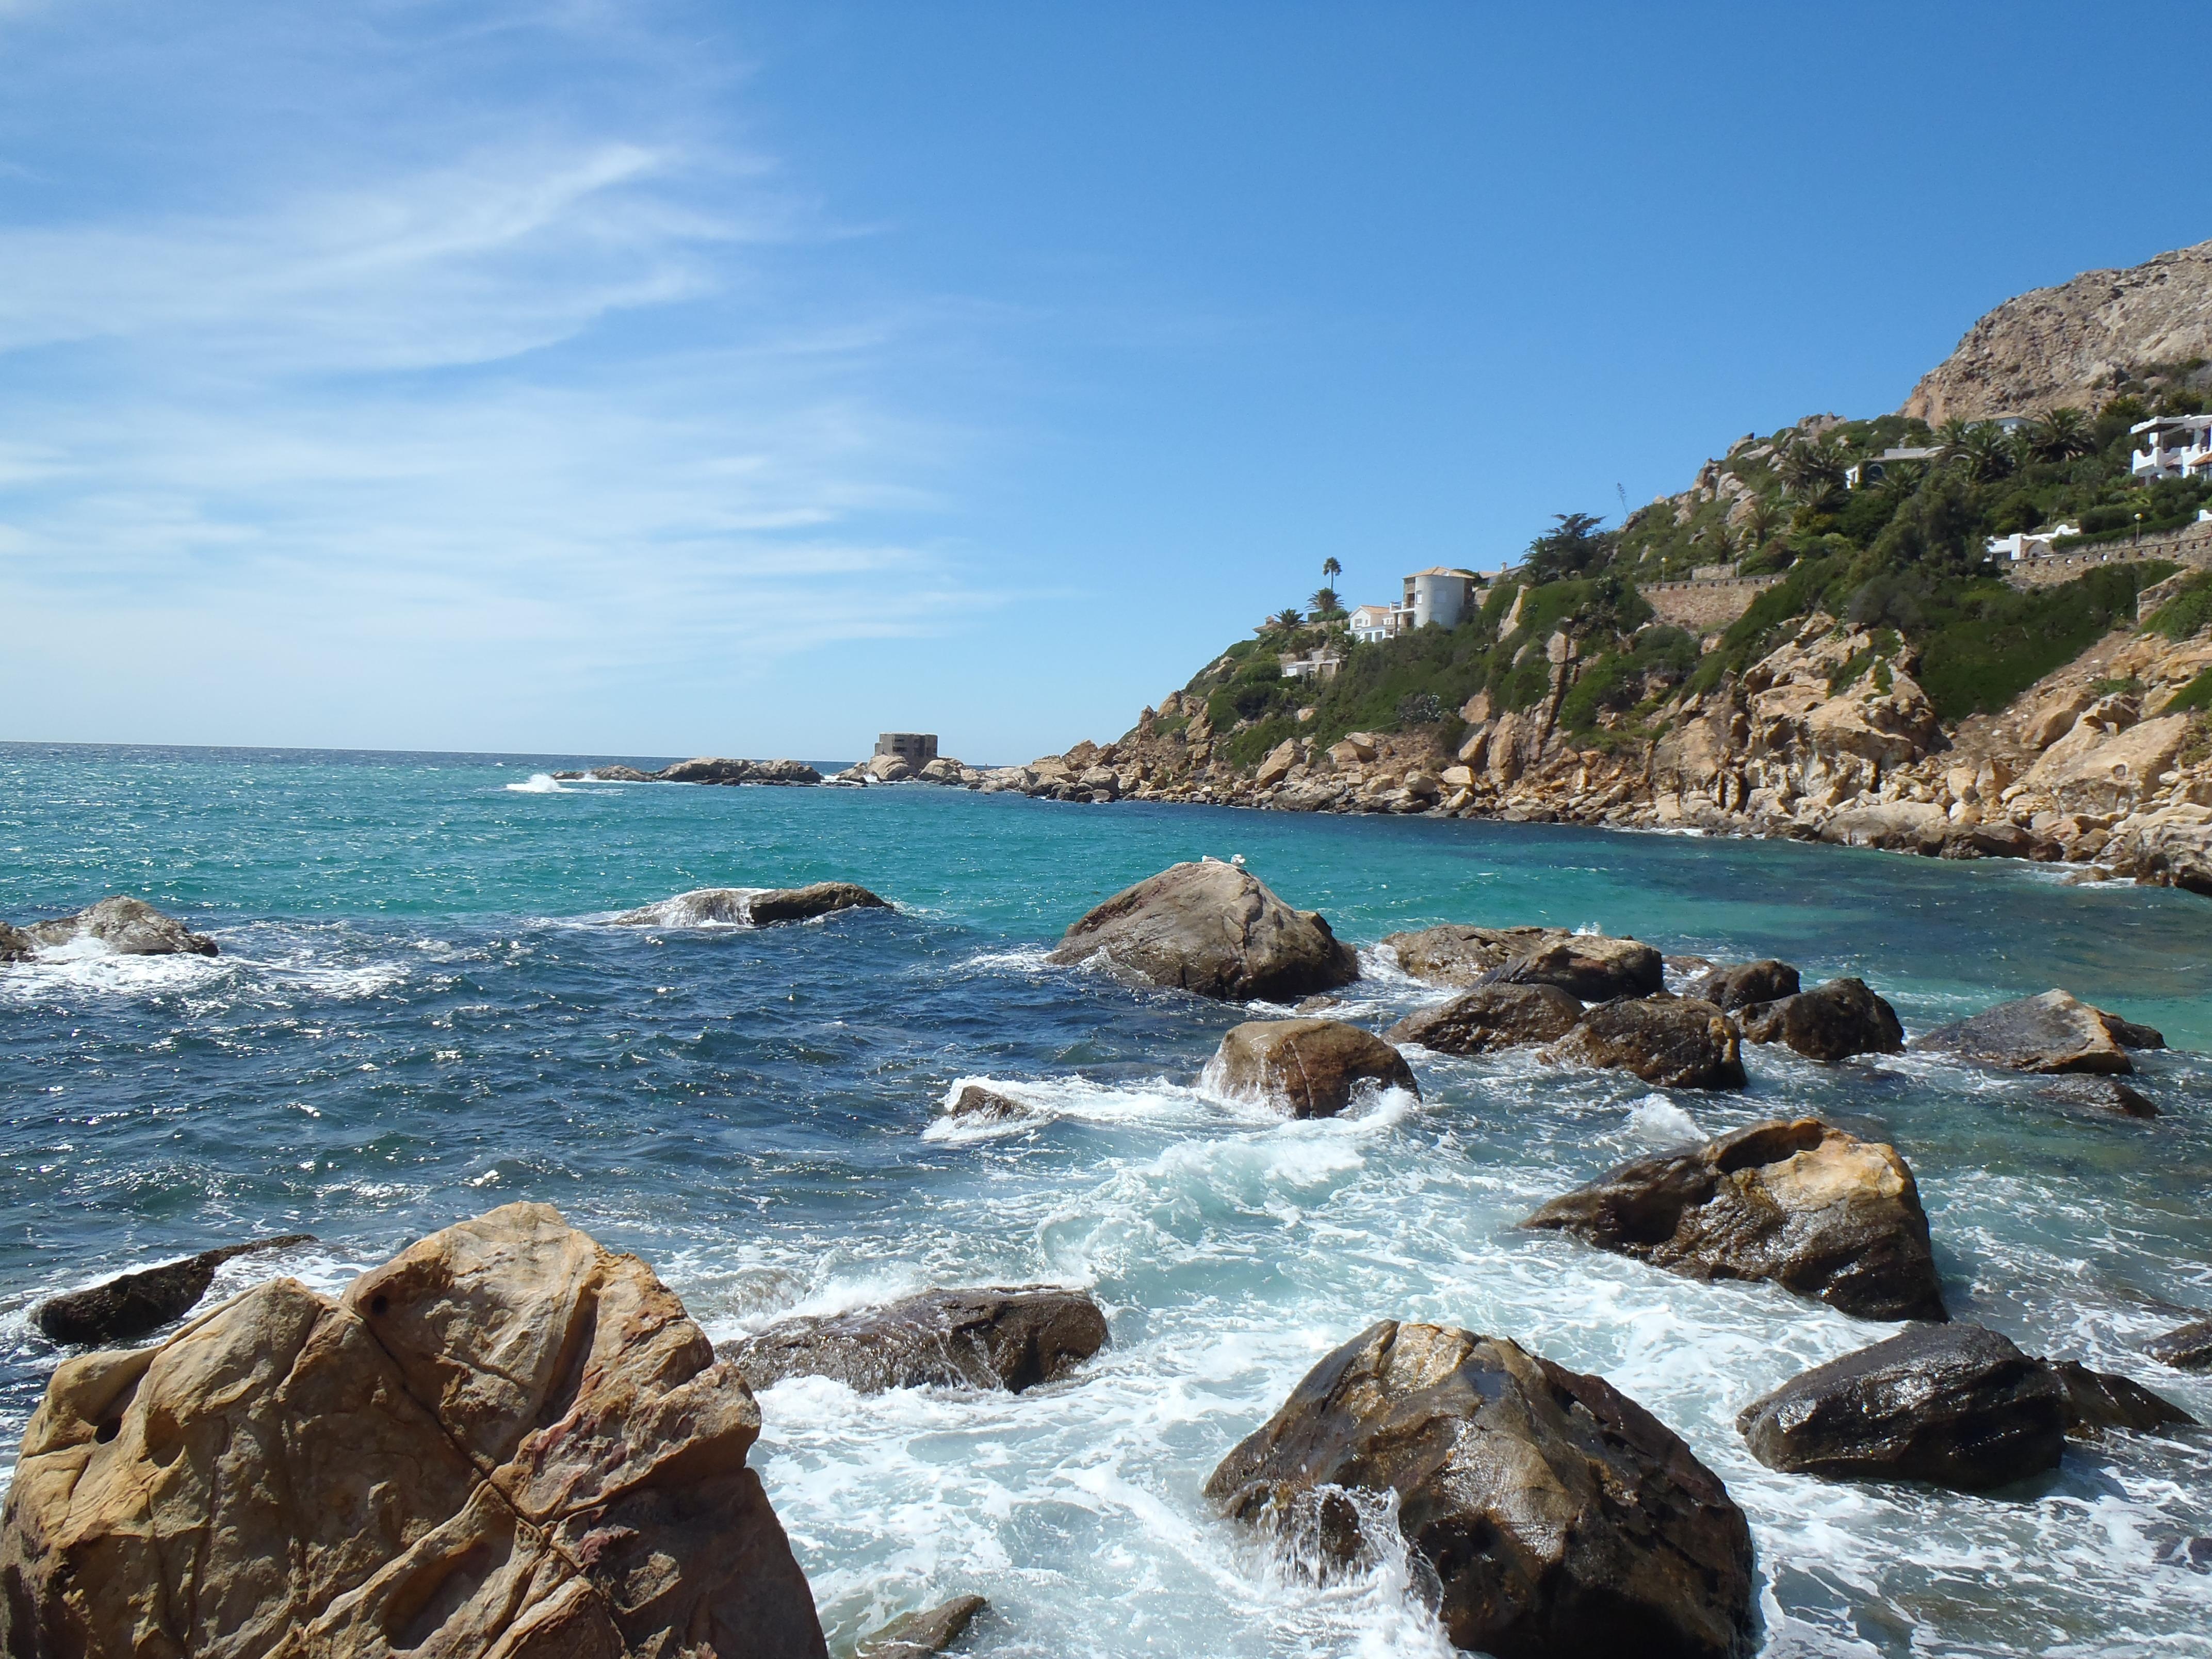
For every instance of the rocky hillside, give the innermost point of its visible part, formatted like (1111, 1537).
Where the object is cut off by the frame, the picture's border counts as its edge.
(2074, 343)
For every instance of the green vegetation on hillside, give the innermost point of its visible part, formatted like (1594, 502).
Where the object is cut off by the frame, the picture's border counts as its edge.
(1901, 555)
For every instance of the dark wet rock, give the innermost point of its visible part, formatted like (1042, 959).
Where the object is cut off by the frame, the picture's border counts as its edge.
(2100, 1094)
(918, 1635)
(1735, 985)
(2186, 1348)
(2098, 1400)
(1559, 1517)
(127, 927)
(1311, 1068)
(1214, 929)
(712, 769)
(1490, 1017)
(751, 907)
(1954, 1405)
(1455, 954)
(127, 1307)
(1814, 1210)
(1830, 1022)
(1586, 966)
(1676, 1041)
(983, 1339)
(980, 1105)
(15, 945)
(2052, 1032)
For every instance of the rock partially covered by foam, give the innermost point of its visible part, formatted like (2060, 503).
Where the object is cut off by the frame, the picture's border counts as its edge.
(128, 1306)
(752, 907)
(1308, 1067)
(128, 928)
(507, 1441)
(1490, 1017)
(1214, 929)
(714, 769)
(2053, 1032)
(1560, 1518)
(1675, 1042)
(1589, 967)
(2186, 1347)
(1954, 1405)
(918, 1635)
(1732, 985)
(15, 945)
(1829, 1022)
(1816, 1211)
(979, 1339)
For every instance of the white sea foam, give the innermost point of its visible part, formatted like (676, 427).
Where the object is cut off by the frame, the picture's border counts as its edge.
(1157, 1103)
(540, 783)
(1656, 1119)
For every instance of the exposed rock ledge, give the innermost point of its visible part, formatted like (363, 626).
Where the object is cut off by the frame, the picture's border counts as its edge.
(505, 1442)
(2072, 771)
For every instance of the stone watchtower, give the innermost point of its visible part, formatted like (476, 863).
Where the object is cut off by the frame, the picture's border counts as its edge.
(916, 749)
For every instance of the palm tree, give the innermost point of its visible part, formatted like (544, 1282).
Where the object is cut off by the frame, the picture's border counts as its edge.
(1987, 452)
(1821, 496)
(2060, 436)
(1330, 570)
(1287, 617)
(1760, 520)
(1324, 604)
(1951, 439)
(1808, 464)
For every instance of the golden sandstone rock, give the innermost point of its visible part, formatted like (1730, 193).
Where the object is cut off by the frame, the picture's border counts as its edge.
(506, 1442)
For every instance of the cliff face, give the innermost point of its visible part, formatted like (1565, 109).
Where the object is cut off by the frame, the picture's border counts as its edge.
(2057, 346)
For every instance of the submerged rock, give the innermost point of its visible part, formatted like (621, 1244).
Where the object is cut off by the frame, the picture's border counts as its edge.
(2100, 1094)
(981, 1338)
(918, 1635)
(1732, 985)
(980, 1104)
(2186, 1348)
(507, 1441)
(2099, 1400)
(751, 907)
(1956, 1405)
(1676, 1041)
(128, 1306)
(1311, 1068)
(128, 928)
(1816, 1211)
(1490, 1017)
(1559, 1517)
(1214, 929)
(2053, 1032)
(1830, 1022)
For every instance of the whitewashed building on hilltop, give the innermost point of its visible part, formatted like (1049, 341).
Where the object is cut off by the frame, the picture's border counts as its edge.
(1442, 594)
(2178, 447)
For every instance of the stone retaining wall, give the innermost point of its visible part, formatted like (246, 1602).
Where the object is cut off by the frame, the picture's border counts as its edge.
(2192, 546)
(1704, 606)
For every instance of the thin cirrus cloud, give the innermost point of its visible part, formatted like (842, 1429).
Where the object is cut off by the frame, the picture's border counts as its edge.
(383, 416)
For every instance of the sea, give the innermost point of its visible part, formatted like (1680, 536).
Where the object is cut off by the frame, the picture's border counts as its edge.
(421, 1012)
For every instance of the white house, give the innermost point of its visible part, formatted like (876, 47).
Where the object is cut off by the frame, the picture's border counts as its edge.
(2179, 447)
(2029, 543)
(1442, 594)
(1868, 470)
(1370, 622)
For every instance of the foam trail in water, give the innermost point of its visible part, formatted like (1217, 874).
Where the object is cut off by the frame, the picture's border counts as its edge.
(540, 783)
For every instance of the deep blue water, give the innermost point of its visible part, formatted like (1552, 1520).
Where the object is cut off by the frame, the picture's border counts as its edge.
(419, 1012)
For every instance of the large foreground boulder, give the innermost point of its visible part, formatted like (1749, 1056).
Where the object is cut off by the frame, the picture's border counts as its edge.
(1676, 1041)
(128, 928)
(1561, 1519)
(1954, 1405)
(1816, 1211)
(1214, 929)
(978, 1339)
(505, 1442)
(125, 1308)
(1309, 1067)
(1830, 1022)
(752, 907)
(1490, 1017)
(2053, 1032)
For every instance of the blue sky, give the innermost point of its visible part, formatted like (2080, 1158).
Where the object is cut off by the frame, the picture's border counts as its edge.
(667, 378)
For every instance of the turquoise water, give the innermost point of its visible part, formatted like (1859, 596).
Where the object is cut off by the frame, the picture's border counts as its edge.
(419, 1014)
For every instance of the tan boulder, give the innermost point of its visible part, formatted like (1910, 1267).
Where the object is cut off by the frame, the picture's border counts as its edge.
(1311, 1068)
(507, 1441)
(1276, 765)
(1214, 929)
(1456, 777)
(2094, 767)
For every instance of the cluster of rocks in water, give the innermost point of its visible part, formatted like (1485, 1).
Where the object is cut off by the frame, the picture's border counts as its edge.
(123, 926)
(1826, 739)
(508, 1441)
(706, 769)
